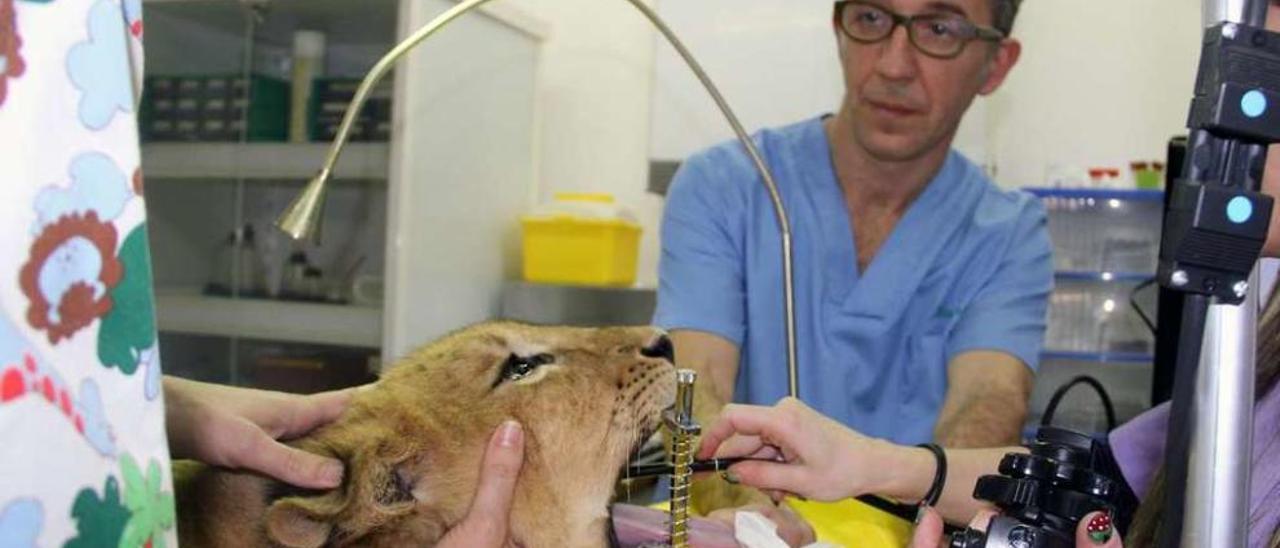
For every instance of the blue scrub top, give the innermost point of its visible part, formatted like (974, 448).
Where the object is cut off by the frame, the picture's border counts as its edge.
(968, 267)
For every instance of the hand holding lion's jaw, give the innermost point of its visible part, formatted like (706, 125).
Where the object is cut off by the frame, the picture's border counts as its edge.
(238, 428)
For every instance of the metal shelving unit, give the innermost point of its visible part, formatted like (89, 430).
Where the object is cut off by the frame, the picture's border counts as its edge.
(1105, 245)
(1127, 195)
(198, 160)
(462, 119)
(189, 312)
(1073, 275)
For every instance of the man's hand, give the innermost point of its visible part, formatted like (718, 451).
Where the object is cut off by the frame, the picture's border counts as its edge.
(487, 523)
(804, 452)
(239, 428)
(986, 402)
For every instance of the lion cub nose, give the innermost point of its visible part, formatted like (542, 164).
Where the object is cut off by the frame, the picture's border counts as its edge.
(660, 347)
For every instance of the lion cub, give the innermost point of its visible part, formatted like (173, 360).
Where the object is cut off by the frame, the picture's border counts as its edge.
(412, 444)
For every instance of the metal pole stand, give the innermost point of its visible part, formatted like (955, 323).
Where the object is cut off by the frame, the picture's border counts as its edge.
(1222, 410)
(1214, 228)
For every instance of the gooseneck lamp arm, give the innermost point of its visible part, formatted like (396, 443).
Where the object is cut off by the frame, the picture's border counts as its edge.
(302, 218)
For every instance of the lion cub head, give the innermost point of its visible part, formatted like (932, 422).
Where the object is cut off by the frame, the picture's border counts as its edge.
(412, 443)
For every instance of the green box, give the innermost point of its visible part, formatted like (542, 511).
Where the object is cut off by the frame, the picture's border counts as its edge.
(1148, 179)
(329, 100)
(266, 113)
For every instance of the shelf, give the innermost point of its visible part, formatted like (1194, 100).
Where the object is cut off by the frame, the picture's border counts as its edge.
(1074, 275)
(1108, 357)
(375, 24)
(362, 161)
(1126, 195)
(186, 311)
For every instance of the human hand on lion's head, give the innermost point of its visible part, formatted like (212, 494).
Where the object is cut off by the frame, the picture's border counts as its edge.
(418, 444)
(238, 428)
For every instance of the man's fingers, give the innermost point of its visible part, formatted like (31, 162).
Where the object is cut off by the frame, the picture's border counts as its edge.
(928, 532)
(738, 446)
(982, 520)
(498, 473)
(486, 523)
(748, 420)
(289, 464)
(330, 405)
(747, 447)
(770, 475)
(776, 496)
(1096, 529)
(306, 413)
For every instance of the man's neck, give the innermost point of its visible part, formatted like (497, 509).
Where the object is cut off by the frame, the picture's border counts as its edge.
(867, 180)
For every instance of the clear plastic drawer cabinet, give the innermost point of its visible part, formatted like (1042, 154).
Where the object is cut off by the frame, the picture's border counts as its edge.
(1103, 307)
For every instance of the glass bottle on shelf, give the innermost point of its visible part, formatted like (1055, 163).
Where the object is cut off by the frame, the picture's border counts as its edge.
(313, 284)
(292, 286)
(237, 269)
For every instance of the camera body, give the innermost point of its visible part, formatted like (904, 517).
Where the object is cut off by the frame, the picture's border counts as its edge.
(1043, 495)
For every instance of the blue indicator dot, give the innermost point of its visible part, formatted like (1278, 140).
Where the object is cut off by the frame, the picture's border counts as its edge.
(1254, 104)
(1239, 210)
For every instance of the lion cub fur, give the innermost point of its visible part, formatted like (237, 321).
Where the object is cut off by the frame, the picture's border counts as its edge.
(413, 441)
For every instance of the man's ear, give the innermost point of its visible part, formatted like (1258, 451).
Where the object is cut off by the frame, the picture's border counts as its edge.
(999, 65)
(298, 522)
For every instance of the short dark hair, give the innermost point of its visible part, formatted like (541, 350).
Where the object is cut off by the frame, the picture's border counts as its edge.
(1005, 11)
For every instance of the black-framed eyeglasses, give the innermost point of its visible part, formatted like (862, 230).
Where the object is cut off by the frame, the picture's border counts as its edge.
(940, 35)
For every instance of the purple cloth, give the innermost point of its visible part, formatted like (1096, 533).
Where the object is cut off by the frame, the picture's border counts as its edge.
(1139, 448)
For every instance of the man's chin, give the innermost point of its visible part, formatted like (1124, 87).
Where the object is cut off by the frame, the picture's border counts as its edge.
(894, 148)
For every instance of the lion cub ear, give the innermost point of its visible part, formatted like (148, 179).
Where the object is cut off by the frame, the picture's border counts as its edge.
(299, 523)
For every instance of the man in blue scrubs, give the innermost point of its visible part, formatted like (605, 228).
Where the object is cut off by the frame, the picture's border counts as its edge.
(921, 287)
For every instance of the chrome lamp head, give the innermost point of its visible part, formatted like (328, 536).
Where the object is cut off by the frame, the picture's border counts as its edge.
(302, 219)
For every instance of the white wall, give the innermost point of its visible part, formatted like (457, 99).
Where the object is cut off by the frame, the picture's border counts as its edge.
(462, 163)
(593, 103)
(774, 61)
(1101, 82)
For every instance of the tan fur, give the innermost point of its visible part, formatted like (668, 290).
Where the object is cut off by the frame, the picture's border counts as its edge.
(426, 424)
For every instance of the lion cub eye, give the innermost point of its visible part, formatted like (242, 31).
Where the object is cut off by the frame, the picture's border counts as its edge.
(519, 367)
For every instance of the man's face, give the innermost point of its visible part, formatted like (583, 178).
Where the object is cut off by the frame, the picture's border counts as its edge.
(905, 103)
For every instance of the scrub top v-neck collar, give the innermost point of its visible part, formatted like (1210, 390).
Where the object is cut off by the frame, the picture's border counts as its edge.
(880, 292)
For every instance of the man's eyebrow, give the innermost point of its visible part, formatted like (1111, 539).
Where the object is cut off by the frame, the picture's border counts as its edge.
(947, 7)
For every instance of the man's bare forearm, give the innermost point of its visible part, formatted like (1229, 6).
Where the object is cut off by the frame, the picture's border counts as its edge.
(993, 419)
(716, 361)
(986, 401)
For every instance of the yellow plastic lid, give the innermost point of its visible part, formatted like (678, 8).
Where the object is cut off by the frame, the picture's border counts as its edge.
(596, 197)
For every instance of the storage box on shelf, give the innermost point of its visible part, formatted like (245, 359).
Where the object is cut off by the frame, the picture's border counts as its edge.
(329, 102)
(291, 367)
(212, 169)
(1106, 246)
(213, 108)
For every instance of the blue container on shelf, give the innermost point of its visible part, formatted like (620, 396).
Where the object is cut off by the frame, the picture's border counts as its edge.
(1104, 231)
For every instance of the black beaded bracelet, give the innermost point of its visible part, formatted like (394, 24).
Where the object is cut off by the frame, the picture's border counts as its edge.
(939, 477)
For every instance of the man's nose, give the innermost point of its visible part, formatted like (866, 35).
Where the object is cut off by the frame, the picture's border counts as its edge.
(897, 59)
